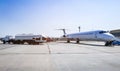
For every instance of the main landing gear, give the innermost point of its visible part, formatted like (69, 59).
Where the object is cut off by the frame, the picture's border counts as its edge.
(77, 40)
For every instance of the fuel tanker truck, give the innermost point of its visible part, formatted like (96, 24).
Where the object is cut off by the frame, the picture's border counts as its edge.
(24, 39)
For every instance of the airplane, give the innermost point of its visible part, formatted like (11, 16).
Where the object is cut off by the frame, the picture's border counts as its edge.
(98, 35)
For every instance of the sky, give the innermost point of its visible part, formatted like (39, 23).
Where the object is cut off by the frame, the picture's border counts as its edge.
(45, 16)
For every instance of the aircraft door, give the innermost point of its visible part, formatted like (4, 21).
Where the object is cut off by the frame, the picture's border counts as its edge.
(95, 36)
(99, 36)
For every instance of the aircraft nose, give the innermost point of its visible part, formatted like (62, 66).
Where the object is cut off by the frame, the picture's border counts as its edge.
(110, 37)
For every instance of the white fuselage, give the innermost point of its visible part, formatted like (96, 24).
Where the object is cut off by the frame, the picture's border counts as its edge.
(99, 35)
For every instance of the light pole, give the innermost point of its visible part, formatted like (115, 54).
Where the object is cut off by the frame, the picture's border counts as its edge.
(79, 28)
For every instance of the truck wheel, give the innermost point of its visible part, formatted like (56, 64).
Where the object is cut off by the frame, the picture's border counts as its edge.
(29, 43)
(21, 42)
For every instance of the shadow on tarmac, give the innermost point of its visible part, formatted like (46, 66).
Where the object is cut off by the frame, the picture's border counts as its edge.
(84, 44)
(91, 44)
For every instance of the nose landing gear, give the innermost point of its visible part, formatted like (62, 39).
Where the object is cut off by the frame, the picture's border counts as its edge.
(109, 43)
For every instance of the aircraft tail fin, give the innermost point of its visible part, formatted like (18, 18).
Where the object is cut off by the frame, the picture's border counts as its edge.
(64, 32)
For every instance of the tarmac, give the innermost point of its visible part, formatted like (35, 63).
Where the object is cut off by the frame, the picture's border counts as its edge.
(60, 56)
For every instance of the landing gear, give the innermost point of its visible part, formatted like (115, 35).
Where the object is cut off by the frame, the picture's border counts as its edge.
(4, 42)
(68, 40)
(77, 41)
(109, 43)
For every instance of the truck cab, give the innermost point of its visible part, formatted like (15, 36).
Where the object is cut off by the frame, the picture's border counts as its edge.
(6, 39)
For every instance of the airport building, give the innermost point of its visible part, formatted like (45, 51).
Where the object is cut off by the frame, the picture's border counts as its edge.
(116, 32)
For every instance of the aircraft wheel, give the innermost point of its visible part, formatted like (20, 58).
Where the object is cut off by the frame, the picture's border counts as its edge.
(77, 40)
(4, 42)
(68, 40)
(108, 43)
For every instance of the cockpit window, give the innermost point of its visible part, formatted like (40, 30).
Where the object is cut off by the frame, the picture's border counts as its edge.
(101, 32)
